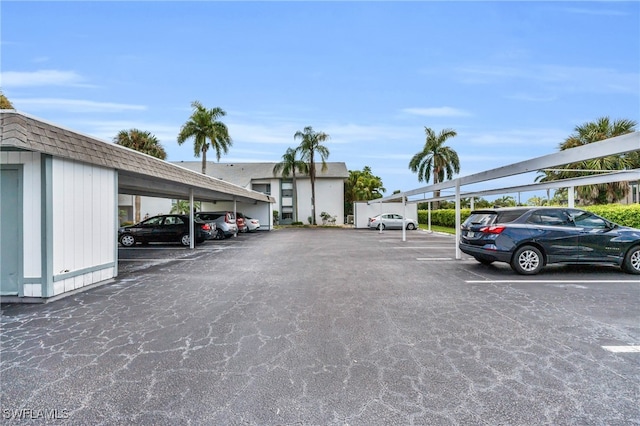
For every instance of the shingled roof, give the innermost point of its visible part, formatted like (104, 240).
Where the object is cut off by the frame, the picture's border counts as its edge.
(138, 173)
(244, 173)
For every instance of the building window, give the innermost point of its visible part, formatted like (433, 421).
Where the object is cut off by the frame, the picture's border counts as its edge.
(287, 214)
(265, 188)
(287, 188)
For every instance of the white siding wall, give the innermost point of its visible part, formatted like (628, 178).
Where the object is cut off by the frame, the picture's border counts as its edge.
(84, 234)
(329, 198)
(31, 207)
(363, 211)
(154, 206)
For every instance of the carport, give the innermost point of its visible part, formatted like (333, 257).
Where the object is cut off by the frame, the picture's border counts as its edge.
(59, 204)
(612, 146)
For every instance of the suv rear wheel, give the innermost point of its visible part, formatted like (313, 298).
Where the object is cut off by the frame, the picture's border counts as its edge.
(527, 260)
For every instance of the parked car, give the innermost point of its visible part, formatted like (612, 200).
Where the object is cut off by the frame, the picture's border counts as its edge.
(164, 229)
(391, 221)
(241, 222)
(225, 222)
(528, 238)
(252, 224)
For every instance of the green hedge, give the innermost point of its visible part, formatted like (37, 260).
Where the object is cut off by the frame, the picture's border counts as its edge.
(627, 215)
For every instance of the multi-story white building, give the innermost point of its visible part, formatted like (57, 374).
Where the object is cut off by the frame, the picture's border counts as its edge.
(260, 177)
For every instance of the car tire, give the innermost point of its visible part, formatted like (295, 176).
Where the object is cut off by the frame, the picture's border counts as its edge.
(411, 227)
(185, 240)
(219, 235)
(128, 240)
(380, 227)
(527, 260)
(631, 262)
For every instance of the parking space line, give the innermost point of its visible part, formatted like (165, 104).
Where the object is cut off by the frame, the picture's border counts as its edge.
(152, 260)
(622, 349)
(422, 247)
(552, 281)
(434, 258)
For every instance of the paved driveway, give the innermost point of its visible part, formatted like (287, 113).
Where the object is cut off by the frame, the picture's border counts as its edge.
(328, 327)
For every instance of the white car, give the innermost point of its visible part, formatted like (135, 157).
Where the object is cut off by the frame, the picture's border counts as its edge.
(252, 224)
(391, 221)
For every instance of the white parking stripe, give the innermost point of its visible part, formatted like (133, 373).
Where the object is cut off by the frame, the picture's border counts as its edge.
(422, 247)
(434, 258)
(622, 349)
(551, 281)
(151, 260)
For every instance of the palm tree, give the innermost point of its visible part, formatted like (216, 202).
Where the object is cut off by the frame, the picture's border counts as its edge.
(4, 102)
(203, 126)
(288, 166)
(436, 159)
(182, 207)
(144, 142)
(311, 143)
(141, 141)
(362, 185)
(595, 131)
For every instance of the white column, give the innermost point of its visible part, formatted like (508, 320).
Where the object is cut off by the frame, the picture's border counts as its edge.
(192, 235)
(458, 252)
(572, 195)
(404, 219)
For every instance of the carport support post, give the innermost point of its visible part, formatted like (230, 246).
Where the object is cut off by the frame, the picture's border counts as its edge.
(404, 219)
(429, 216)
(458, 253)
(235, 214)
(572, 196)
(381, 221)
(192, 236)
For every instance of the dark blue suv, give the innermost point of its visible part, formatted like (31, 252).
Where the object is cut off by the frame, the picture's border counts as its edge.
(528, 238)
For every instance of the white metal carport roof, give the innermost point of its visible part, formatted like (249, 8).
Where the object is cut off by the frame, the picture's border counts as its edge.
(612, 146)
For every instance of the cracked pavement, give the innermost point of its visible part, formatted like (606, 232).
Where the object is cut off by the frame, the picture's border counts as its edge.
(327, 327)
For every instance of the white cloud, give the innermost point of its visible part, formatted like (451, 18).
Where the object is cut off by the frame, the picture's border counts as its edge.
(437, 112)
(548, 139)
(600, 12)
(72, 105)
(41, 78)
(558, 78)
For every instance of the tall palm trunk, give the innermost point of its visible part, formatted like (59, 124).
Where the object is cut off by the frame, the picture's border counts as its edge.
(204, 161)
(312, 175)
(295, 196)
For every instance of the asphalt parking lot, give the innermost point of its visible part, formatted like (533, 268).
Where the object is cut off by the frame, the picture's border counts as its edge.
(327, 327)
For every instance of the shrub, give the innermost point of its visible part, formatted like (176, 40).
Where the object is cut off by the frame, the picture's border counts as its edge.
(626, 215)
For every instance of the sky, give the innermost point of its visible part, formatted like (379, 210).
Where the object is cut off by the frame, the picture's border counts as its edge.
(513, 79)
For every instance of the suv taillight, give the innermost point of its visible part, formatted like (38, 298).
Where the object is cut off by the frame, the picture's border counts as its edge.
(493, 229)
(206, 227)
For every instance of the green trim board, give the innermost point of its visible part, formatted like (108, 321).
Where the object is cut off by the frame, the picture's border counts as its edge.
(13, 267)
(46, 223)
(116, 223)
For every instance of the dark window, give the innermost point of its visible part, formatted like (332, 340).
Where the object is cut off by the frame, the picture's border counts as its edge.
(265, 188)
(153, 221)
(588, 220)
(550, 218)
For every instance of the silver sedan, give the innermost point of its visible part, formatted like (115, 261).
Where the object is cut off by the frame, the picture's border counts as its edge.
(391, 221)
